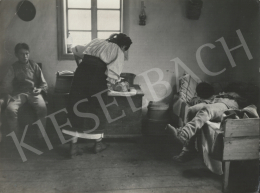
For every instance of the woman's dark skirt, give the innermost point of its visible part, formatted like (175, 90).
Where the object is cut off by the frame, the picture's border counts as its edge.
(89, 79)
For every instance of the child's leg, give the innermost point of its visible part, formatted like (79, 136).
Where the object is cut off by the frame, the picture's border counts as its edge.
(39, 105)
(12, 110)
(207, 113)
(192, 111)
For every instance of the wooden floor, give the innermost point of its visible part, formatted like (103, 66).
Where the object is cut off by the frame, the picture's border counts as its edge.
(128, 165)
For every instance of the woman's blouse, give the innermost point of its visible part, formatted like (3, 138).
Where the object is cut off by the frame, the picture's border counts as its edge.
(108, 52)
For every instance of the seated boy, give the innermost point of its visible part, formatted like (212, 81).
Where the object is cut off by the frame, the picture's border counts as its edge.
(198, 115)
(24, 82)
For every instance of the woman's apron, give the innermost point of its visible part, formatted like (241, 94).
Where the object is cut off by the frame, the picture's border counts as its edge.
(84, 110)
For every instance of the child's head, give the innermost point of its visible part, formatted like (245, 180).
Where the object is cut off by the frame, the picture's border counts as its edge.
(204, 90)
(22, 52)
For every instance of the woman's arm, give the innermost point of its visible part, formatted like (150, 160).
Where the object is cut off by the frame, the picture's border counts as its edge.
(77, 59)
(115, 67)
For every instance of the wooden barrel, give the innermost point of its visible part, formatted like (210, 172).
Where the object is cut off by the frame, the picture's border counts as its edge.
(63, 83)
(60, 101)
(154, 127)
(158, 111)
(157, 118)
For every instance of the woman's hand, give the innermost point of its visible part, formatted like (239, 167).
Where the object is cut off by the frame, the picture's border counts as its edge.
(37, 91)
(121, 86)
(120, 79)
(77, 59)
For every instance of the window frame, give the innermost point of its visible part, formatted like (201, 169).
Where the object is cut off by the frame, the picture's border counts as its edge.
(62, 22)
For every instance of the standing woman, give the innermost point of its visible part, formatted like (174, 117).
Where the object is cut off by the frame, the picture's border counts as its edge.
(100, 69)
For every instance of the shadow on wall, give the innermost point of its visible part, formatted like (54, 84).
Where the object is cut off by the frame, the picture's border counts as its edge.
(157, 85)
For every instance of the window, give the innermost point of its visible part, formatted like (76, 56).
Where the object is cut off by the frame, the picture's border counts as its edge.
(84, 20)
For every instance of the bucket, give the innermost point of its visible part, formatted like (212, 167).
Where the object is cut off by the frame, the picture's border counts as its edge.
(154, 127)
(129, 77)
(158, 111)
(158, 116)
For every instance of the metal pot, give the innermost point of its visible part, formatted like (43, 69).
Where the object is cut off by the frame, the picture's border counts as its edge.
(129, 77)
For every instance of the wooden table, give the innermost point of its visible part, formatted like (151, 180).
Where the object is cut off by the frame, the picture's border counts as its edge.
(128, 126)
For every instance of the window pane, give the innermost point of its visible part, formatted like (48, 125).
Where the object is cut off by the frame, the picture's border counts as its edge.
(114, 4)
(105, 35)
(80, 38)
(79, 3)
(108, 20)
(79, 20)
